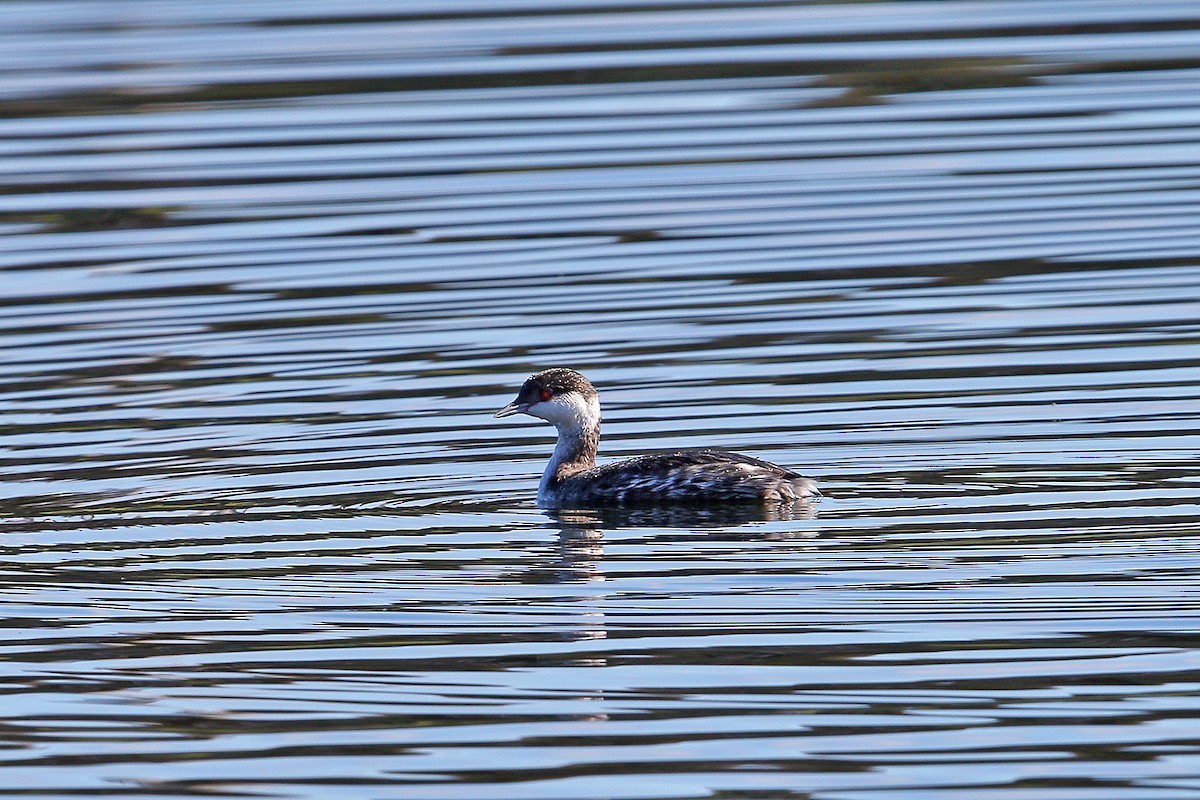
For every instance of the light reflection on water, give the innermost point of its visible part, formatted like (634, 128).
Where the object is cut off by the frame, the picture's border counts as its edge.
(266, 281)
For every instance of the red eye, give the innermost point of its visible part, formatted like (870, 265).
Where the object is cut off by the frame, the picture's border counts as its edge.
(546, 395)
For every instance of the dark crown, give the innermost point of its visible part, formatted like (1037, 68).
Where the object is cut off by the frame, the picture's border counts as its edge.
(558, 380)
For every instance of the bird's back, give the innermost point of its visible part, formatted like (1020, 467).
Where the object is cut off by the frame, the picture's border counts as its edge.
(695, 476)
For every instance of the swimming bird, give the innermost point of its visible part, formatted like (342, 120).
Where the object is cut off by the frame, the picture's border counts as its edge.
(567, 400)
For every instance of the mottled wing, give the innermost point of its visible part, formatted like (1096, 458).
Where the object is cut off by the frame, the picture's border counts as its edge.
(689, 475)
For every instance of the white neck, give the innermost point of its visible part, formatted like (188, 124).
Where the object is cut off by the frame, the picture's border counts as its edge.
(578, 422)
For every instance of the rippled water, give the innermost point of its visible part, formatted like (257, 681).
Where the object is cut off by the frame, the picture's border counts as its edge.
(269, 268)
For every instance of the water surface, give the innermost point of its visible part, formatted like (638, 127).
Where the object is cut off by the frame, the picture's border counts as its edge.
(270, 267)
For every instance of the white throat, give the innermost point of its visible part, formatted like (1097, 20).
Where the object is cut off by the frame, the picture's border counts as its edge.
(578, 422)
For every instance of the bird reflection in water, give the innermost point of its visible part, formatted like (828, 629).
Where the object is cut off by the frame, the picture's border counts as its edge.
(581, 531)
(580, 549)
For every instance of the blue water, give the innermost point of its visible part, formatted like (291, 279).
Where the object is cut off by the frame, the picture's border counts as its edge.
(268, 269)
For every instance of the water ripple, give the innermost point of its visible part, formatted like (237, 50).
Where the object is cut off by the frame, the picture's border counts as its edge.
(269, 268)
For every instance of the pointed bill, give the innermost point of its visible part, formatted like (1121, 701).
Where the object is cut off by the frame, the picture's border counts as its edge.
(515, 407)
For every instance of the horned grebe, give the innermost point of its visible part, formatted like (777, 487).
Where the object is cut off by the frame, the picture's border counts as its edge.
(567, 400)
